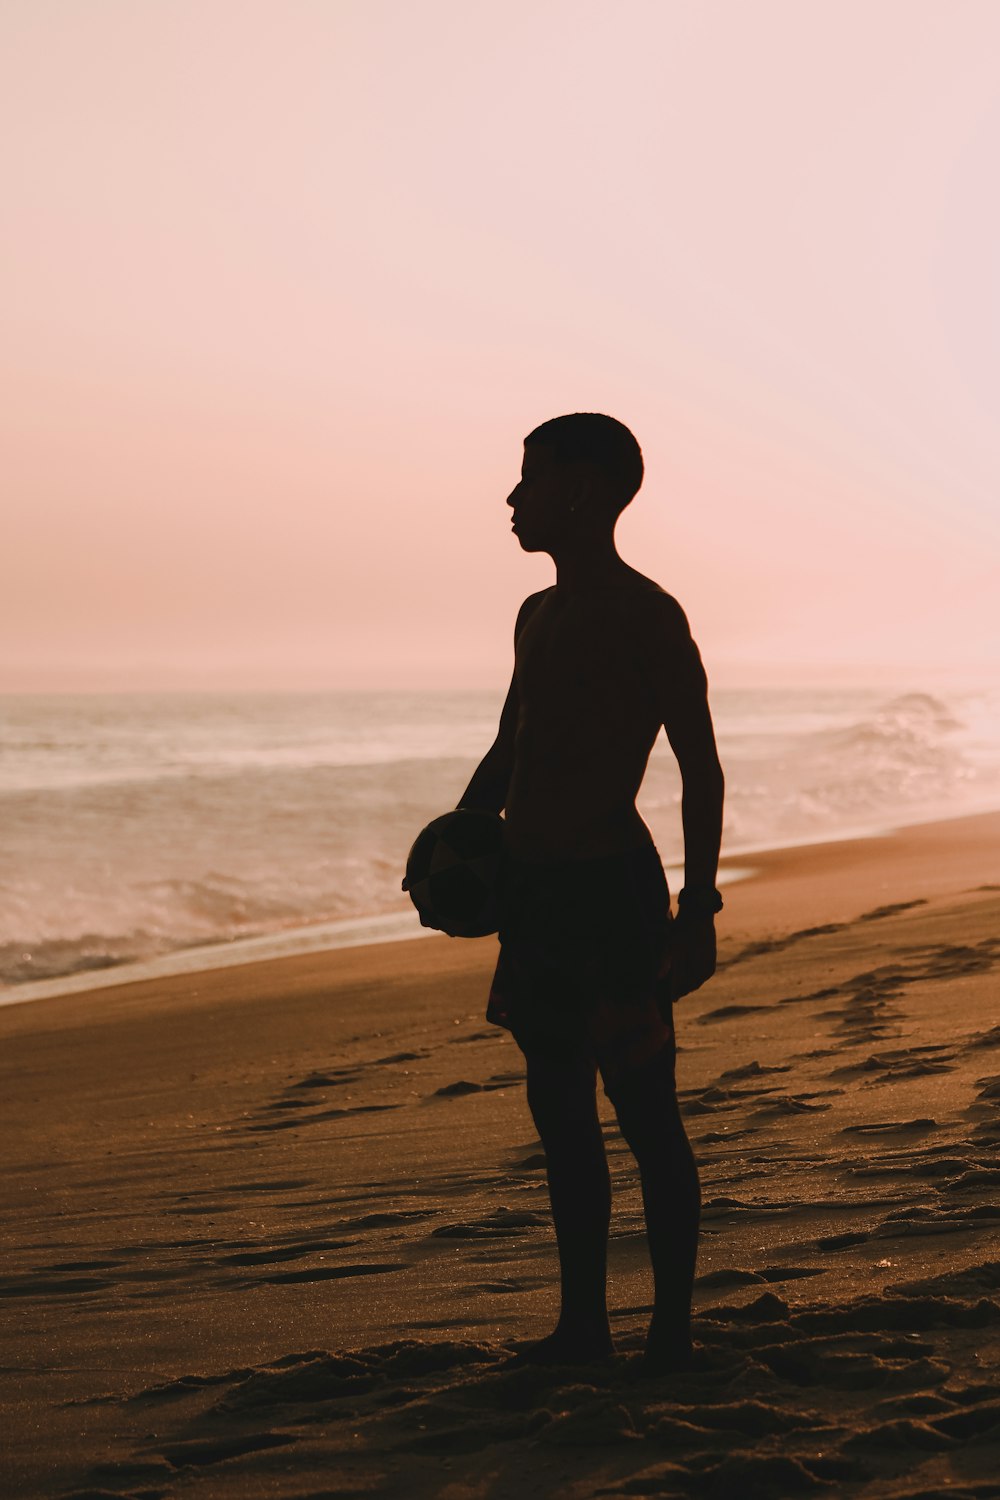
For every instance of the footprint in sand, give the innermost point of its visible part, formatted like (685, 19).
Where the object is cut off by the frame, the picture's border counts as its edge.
(878, 912)
(319, 1114)
(499, 1224)
(294, 1109)
(952, 961)
(796, 1103)
(752, 1278)
(464, 1086)
(54, 1286)
(455, 1090)
(725, 1208)
(277, 1185)
(86, 1265)
(274, 1257)
(842, 1241)
(985, 1175)
(198, 1453)
(726, 1137)
(928, 1164)
(865, 1016)
(908, 1222)
(907, 1062)
(697, 1107)
(777, 945)
(989, 1038)
(728, 1278)
(914, 1070)
(791, 1273)
(328, 1273)
(327, 1080)
(754, 1070)
(715, 1100)
(728, 1012)
(185, 1210)
(825, 994)
(388, 1218)
(801, 1104)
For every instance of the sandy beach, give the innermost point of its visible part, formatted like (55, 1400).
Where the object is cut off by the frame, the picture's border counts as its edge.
(272, 1230)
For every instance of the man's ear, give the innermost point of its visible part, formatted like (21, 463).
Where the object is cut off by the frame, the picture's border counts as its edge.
(587, 488)
(593, 492)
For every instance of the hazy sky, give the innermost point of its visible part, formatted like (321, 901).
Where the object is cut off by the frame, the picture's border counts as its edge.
(286, 282)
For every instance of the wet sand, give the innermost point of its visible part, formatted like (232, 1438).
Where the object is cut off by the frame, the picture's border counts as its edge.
(273, 1230)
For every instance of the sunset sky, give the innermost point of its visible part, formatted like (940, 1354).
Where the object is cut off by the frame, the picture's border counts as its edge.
(286, 282)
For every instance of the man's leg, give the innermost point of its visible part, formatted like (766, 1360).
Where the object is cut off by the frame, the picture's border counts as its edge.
(645, 1101)
(562, 1097)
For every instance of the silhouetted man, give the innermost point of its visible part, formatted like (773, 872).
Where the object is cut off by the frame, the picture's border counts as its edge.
(590, 959)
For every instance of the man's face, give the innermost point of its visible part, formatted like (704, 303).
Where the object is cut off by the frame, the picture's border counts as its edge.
(542, 499)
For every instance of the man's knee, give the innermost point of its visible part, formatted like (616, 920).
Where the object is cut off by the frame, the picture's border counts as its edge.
(628, 1075)
(644, 1095)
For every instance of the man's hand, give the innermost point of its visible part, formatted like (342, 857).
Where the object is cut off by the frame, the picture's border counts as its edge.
(691, 953)
(436, 926)
(425, 921)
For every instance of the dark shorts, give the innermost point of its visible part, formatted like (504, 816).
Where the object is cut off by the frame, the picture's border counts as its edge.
(583, 957)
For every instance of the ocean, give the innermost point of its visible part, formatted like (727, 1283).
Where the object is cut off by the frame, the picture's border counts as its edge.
(136, 826)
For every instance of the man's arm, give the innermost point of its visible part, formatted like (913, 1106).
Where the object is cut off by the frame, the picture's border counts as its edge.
(692, 739)
(488, 787)
(682, 704)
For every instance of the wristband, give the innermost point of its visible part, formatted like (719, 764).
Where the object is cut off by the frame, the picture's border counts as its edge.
(696, 901)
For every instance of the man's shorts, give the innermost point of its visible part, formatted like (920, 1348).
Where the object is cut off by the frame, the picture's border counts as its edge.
(583, 958)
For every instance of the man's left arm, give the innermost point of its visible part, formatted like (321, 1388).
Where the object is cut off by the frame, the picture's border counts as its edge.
(682, 703)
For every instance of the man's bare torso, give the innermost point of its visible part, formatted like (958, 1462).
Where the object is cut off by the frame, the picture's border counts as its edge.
(586, 723)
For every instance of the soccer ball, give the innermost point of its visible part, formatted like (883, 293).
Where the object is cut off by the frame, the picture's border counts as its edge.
(453, 870)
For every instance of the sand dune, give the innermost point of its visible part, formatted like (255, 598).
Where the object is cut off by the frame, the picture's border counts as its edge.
(277, 1230)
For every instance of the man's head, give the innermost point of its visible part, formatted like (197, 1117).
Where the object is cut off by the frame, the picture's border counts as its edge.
(579, 471)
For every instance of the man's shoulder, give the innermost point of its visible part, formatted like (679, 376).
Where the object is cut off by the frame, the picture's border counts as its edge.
(658, 609)
(537, 598)
(529, 606)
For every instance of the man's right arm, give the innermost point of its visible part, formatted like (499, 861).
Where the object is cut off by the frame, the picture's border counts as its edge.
(488, 787)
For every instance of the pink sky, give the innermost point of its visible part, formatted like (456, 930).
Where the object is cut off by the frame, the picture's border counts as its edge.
(285, 284)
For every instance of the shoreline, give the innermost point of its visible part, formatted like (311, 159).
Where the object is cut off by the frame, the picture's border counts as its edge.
(770, 865)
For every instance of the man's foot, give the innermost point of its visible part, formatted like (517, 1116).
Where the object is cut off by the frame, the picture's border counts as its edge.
(667, 1359)
(565, 1347)
(667, 1351)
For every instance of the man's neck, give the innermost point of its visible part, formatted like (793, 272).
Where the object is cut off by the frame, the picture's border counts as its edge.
(590, 568)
